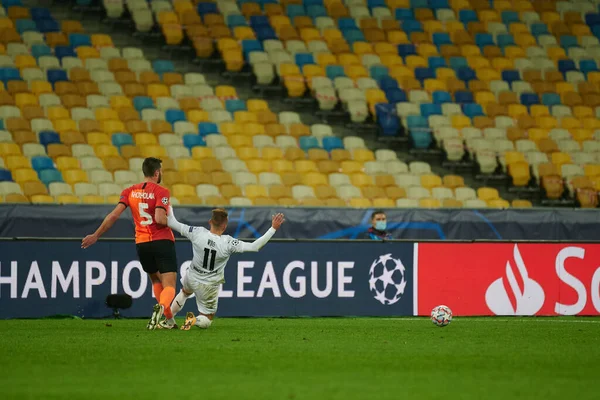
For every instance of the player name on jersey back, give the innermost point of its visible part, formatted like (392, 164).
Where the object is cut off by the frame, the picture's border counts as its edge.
(142, 195)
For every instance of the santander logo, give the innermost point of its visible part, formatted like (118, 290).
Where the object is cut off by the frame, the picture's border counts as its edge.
(515, 293)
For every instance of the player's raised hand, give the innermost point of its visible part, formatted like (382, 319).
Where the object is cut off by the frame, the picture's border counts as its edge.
(88, 241)
(277, 220)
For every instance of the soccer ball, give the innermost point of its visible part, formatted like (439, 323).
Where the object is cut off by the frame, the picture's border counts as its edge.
(441, 316)
(386, 279)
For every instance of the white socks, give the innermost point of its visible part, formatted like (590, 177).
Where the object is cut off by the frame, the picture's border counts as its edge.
(178, 302)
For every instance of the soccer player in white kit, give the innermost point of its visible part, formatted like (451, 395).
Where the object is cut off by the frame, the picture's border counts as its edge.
(211, 251)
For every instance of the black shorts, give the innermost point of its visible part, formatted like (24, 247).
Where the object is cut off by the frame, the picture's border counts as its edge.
(157, 256)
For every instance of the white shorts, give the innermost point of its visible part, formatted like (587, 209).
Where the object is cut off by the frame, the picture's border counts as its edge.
(207, 296)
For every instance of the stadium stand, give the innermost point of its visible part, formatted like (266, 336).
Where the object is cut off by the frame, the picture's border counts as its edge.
(507, 88)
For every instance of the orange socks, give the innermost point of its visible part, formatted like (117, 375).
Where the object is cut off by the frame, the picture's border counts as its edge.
(166, 298)
(157, 288)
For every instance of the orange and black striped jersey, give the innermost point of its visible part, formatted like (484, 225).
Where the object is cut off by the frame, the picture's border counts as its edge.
(143, 199)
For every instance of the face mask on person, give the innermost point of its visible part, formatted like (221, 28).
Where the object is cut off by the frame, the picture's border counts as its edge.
(380, 225)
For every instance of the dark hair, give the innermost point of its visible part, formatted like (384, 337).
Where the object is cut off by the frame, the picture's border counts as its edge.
(219, 216)
(377, 212)
(150, 166)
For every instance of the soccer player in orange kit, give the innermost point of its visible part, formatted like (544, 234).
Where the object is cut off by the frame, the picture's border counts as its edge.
(154, 240)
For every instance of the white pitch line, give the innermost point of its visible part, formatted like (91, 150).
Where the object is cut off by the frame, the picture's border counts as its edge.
(479, 319)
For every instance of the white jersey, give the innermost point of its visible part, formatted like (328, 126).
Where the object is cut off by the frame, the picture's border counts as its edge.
(212, 252)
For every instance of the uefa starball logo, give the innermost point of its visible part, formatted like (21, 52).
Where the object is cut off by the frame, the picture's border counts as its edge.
(526, 296)
(387, 279)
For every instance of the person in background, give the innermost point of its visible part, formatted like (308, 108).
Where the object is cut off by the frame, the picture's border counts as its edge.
(378, 229)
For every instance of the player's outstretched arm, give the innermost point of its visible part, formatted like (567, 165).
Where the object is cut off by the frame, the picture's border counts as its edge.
(276, 222)
(108, 222)
(177, 226)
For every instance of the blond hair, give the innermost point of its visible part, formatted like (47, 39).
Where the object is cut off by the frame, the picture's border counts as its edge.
(219, 216)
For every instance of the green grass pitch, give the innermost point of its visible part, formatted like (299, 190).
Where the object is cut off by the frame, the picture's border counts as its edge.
(319, 358)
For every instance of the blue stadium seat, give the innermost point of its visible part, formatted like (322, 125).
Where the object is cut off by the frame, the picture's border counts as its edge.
(435, 62)
(235, 105)
(438, 4)
(505, 40)
(259, 20)
(386, 83)
(428, 109)
(378, 72)
(334, 71)
(466, 16)
(395, 95)
(207, 128)
(511, 75)
(79, 39)
(308, 3)
(40, 50)
(458, 62)
(410, 26)
(404, 14)
(316, 11)
(48, 137)
(416, 122)
(422, 73)
(64, 51)
(9, 74)
(332, 142)
(47, 25)
(250, 45)
(308, 142)
(11, 3)
(484, 39)
(57, 75)
(441, 38)
(551, 99)
(121, 139)
(207, 8)
(303, 59)
(508, 17)
(586, 66)
(529, 99)
(236, 20)
(191, 141)
(405, 50)
(40, 163)
(419, 4)
(162, 66)
(347, 23)
(142, 102)
(472, 110)
(265, 33)
(466, 74)
(25, 25)
(422, 139)
(375, 3)
(539, 29)
(40, 13)
(294, 10)
(592, 19)
(566, 65)
(568, 41)
(47, 176)
(353, 35)
(441, 97)
(387, 119)
(173, 116)
(463, 96)
(5, 175)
